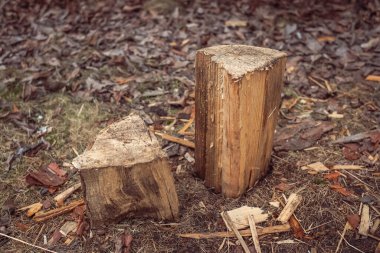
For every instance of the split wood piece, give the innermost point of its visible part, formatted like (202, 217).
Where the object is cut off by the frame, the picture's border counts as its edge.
(375, 226)
(126, 173)
(347, 167)
(32, 209)
(239, 216)
(60, 198)
(238, 95)
(180, 141)
(231, 225)
(255, 236)
(246, 232)
(68, 227)
(291, 205)
(43, 216)
(364, 220)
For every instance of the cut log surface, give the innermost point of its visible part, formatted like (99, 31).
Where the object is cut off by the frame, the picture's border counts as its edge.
(126, 173)
(237, 93)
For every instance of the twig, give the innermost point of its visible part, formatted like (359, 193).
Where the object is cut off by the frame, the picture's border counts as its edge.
(29, 244)
(342, 237)
(245, 232)
(361, 181)
(230, 224)
(183, 142)
(39, 234)
(43, 216)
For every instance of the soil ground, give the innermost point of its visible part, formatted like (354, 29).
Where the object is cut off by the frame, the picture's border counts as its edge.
(70, 68)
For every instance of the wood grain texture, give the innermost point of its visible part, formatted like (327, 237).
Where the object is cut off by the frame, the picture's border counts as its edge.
(237, 93)
(125, 173)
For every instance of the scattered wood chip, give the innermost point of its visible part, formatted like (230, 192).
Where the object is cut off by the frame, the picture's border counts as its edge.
(275, 204)
(34, 209)
(60, 198)
(239, 216)
(246, 232)
(288, 241)
(364, 220)
(255, 236)
(356, 137)
(43, 216)
(347, 167)
(180, 141)
(231, 225)
(373, 78)
(315, 167)
(291, 205)
(375, 226)
(68, 227)
(236, 23)
(335, 115)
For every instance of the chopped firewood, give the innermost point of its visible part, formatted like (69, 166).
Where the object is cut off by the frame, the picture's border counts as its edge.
(364, 220)
(246, 232)
(126, 171)
(315, 167)
(180, 141)
(255, 237)
(238, 93)
(375, 226)
(239, 216)
(291, 205)
(43, 216)
(347, 167)
(68, 227)
(231, 225)
(60, 198)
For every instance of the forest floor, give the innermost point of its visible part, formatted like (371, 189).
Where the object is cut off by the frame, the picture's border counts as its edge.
(70, 68)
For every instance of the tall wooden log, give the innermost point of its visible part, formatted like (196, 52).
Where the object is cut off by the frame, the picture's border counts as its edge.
(126, 173)
(237, 93)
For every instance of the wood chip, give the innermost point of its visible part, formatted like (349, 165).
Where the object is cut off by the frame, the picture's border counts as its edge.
(246, 232)
(68, 227)
(364, 220)
(231, 225)
(33, 209)
(43, 216)
(316, 167)
(239, 216)
(60, 198)
(373, 78)
(347, 167)
(291, 205)
(180, 141)
(236, 23)
(375, 226)
(255, 236)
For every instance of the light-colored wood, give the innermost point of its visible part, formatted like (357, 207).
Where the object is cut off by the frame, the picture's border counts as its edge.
(246, 232)
(126, 173)
(60, 198)
(239, 216)
(375, 226)
(43, 216)
(68, 227)
(231, 225)
(291, 205)
(364, 220)
(180, 141)
(255, 236)
(347, 167)
(346, 227)
(237, 94)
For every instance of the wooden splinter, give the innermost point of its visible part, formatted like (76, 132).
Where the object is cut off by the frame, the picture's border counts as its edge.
(126, 173)
(238, 94)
